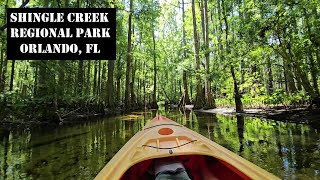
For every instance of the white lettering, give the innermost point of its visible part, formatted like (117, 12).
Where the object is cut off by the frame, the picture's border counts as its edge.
(87, 17)
(41, 33)
(37, 17)
(79, 32)
(49, 48)
(93, 32)
(13, 17)
(23, 48)
(14, 32)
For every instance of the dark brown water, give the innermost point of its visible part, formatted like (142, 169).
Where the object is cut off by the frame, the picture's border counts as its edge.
(290, 151)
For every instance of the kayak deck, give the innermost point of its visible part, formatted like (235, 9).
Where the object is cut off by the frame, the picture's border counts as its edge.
(164, 138)
(198, 167)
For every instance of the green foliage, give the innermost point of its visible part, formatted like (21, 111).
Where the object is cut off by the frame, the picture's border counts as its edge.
(277, 98)
(272, 46)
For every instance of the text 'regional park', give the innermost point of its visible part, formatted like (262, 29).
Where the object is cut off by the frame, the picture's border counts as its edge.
(61, 34)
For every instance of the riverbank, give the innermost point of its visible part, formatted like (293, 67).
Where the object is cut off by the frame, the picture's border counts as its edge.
(301, 115)
(11, 122)
(294, 115)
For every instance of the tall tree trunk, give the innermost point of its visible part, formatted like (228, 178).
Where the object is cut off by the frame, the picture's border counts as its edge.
(299, 83)
(61, 73)
(99, 79)
(119, 74)
(80, 77)
(94, 90)
(139, 91)
(202, 21)
(118, 84)
(318, 56)
(314, 74)
(104, 88)
(128, 69)
(184, 76)
(288, 68)
(290, 84)
(133, 76)
(1, 62)
(191, 85)
(144, 84)
(242, 22)
(88, 78)
(12, 75)
(61, 81)
(288, 60)
(35, 84)
(4, 61)
(270, 77)
(210, 102)
(200, 94)
(185, 88)
(304, 80)
(42, 85)
(220, 45)
(24, 85)
(110, 88)
(42, 89)
(2, 70)
(237, 96)
(154, 104)
(313, 69)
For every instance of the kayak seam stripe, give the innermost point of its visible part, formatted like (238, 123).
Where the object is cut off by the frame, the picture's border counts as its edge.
(170, 147)
(162, 125)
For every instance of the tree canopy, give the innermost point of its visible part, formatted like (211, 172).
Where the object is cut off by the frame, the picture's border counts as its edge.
(208, 53)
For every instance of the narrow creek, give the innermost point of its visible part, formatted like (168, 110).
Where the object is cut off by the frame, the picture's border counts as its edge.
(288, 150)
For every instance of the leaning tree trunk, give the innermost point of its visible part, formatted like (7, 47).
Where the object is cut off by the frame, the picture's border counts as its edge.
(237, 96)
(313, 69)
(304, 80)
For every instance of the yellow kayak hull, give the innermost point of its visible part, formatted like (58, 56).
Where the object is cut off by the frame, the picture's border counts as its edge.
(162, 137)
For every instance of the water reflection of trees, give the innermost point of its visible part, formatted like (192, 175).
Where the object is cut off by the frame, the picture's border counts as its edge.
(286, 149)
(240, 127)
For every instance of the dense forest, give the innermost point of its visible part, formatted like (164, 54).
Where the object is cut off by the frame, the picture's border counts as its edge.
(241, 53)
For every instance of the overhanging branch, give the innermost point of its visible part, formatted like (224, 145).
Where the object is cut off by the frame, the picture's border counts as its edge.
(2, 28)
